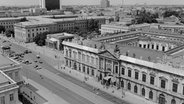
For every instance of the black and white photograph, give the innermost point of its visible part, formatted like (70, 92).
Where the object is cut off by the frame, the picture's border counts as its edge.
(91, 51)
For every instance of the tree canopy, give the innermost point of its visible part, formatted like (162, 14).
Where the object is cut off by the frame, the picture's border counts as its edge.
(145, 17)
(40, 39)
(2, 28)
(9, 33)
(23, 19)
(169, 13)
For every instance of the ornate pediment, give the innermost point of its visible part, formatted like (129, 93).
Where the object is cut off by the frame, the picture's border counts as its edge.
(152, 73)
(175, 79)
(107, 54)
(163, 78)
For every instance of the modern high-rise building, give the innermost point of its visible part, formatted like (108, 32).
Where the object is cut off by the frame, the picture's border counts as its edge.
(51, 4)
(105, 3)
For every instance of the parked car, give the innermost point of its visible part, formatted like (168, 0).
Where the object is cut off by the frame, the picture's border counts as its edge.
(38, 56)
(27, 51)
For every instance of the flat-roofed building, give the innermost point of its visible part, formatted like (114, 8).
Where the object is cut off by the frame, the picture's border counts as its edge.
(8, 90)
(8, 23)
(26, 31)
(9, 77)
(11, 68)
(118, 27)
(55, 40)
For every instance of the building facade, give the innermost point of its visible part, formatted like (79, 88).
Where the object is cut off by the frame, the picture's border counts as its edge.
(51, 4)
(156, 76)
(8, 23)
(55, 40)
(8, 90)
(26, 31)
(81, 58)
(9, 78)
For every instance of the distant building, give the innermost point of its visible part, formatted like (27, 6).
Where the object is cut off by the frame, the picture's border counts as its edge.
(51, 4)
(26, 31)
(9, 22)
(118, 27)
(105, 3)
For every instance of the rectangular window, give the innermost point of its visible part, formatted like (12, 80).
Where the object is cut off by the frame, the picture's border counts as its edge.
(144, 77)
(152, 46)
(129, 73)
(92, 60)
(162, 83)
(88, 58)
(175, 87)
(11, 97)
(96, 61)
(152, 80)
(70, 53)
(83, 57)
(79, 56)
(123, 71)
(2, 100)
(66, 53)
(137, 75)
(116, 69)
(157, 47)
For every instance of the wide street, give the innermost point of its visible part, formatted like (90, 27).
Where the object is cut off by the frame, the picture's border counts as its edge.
(70, 89)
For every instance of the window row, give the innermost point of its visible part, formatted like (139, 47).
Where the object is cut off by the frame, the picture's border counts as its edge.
(152, 80)
(3, 101)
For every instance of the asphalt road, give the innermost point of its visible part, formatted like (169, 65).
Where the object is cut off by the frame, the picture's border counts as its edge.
(30, 72)
(61, 91)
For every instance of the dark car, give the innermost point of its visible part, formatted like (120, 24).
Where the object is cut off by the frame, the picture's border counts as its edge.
(27, 51)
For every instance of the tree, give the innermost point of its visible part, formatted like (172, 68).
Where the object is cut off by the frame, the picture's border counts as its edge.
(169, 13)
(2, 28)
(145, 17)
(23, 19)
(40, 39)
(9, 33)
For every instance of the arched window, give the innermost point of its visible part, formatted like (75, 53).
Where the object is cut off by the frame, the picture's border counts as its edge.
(135, 89)
(143, 92)
(173, 101)
(129, 86)
(150, 95)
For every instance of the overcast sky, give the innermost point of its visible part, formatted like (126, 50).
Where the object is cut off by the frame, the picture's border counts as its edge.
(93, 2)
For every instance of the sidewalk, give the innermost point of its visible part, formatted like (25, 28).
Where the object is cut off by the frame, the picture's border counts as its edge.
(117, 93)
(45, 93)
